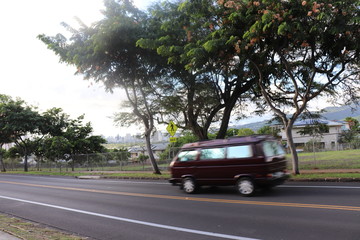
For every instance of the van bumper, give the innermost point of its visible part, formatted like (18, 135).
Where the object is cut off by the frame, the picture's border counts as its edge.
(274, 179)
(175, 181)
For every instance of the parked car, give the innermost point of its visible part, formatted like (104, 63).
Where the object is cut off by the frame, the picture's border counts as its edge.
(249, 163)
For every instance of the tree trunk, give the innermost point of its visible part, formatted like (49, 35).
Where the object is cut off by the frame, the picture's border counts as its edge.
(26, 163)
(2, 163)
(199, 132)
(73, 163)
(291, 144)
(151, 155)
(225, 122)
(229, 106)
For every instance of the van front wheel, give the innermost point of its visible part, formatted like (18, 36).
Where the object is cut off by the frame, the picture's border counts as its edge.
(245, 186)
(189, 185)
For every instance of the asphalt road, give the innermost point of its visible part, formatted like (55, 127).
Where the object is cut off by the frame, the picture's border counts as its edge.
(119, 209)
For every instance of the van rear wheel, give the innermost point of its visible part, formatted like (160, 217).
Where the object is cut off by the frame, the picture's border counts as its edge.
(245, 186)
(189, 185)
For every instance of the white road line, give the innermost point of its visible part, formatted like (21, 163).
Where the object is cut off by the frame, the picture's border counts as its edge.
(303, 186)
(180, 229)
(131, 182)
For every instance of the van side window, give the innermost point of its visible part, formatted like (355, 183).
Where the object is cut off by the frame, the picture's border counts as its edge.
(272, 148)
(212, 153)
(239, 151)
(186, 156)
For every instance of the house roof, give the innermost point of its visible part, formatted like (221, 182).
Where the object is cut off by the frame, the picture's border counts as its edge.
(305, 122)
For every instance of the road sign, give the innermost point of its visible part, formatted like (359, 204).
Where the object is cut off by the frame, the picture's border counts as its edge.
(171, 128)
(173, 139)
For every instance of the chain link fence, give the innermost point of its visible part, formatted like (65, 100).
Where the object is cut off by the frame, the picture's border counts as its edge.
(121, 161)
(115, 161)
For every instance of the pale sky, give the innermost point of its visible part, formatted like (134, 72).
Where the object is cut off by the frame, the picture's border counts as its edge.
(32, 72)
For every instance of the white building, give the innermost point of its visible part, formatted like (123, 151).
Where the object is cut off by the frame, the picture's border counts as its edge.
(327, 140)
(157, 149)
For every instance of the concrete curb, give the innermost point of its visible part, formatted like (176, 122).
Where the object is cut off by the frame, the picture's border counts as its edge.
(88, 177)
(7, 236)
(324, 180)
(166, 179)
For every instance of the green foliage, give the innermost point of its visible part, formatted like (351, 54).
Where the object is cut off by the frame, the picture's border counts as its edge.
(142, 158)
(355, 143)
(20, 124)
(300, 50)
(313, 146)
(232, 132)
(195, 60)
(51, 134)
(121, 155)
(206, 77)
(348, 136)
(353, 123)
(267, 130)
(57, 148)
(314, 129)
(245, 132)
(173, 148)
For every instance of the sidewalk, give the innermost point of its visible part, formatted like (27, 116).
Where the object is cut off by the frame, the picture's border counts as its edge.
(6, 236)
(356, 170)
(327, 178)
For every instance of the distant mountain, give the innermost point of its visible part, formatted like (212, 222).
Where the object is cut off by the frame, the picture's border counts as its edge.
(331, 113)
(340, 113)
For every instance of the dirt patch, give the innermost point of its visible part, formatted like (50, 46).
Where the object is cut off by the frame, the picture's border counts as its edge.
(28, 230)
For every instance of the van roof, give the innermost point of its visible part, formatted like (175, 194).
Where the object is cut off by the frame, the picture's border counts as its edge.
(229, 141)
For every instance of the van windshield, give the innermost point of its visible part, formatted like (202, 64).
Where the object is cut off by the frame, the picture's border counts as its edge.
(272, 148)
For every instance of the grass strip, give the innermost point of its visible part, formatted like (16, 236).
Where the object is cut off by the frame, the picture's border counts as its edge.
(327, 176)
(33, 231)
(109, 174)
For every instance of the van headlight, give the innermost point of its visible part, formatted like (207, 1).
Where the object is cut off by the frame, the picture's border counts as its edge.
(172, 164)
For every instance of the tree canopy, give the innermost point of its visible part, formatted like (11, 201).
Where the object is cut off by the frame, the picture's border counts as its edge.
(301, 50)
(199, 62)
(52, 133)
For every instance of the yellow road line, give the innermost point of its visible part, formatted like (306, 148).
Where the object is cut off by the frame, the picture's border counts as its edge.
(213, 200)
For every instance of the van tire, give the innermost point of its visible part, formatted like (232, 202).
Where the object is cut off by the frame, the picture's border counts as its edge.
(245, 186)
(189, 185)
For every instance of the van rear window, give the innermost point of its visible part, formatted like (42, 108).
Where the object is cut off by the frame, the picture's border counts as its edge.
(239, 151)
(186, 156)
(273, 148)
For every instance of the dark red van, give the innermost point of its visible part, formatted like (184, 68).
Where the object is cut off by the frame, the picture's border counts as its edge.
(247, 162)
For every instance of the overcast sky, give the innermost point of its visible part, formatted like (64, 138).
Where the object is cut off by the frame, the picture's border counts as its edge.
(32, 72)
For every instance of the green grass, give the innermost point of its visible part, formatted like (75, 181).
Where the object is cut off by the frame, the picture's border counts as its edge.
(24, 229)
(345, 155)
(346, 159)
(109, 174)
(137, 175)
(327, 176)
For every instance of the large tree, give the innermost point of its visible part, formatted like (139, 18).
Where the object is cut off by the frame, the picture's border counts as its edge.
(304, 50)
(209, 77)
(5, 133)
(67, 137)
(107, 52)
(22, 125)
